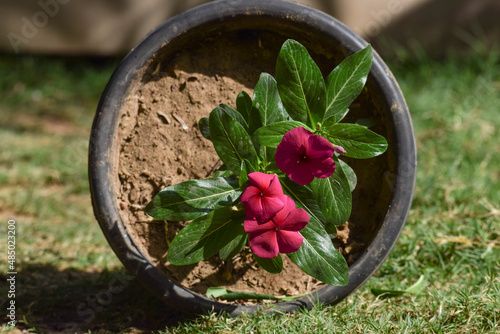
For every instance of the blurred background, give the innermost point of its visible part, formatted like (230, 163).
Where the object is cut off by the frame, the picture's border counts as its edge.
(75, 27)
(56, 57)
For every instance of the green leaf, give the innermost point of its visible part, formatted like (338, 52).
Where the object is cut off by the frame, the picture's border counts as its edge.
(304, 198)
(274, 266)
(351, 175)
(223, 172)
(267, 101)
(318, 257)
(215, 292)
(244, 105)
(231, 142)
(233, 247)
(333, 195)
(332, 120)
(301, 84)
(229, 295)
(267, 104)
(235, 114)
(415, 288)
(272, 168)
(270, 161)
(205, 236)
(194, 198)
(204, 127)
(358, 141)
(346, 81)
(272, 135)
(246, 168)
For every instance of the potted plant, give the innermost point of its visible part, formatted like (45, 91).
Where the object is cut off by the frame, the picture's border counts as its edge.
(146, 137)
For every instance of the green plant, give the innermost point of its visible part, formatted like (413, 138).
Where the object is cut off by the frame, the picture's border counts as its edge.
(282, 186)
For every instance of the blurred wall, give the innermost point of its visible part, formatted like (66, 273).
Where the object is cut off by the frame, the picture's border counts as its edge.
(441, 27)
(110, 27)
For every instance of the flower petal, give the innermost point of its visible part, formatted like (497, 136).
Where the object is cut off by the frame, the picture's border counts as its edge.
(296, 138)
(264, 244)
(319, 147)
(322, 168)
(261, 180)
(251, 225)
(262, 198)
(288, 205)
(249, 192)
(293, 146)
(274, 188)
(285, 160)
(300, 174)
(270, 206)
(288, 241)
(296, 220)
(253, 207)
(303, 155)
(285, 154)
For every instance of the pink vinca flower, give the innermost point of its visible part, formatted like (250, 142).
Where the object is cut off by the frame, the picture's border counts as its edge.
(303, 155)
(263, 197)
(279, 234)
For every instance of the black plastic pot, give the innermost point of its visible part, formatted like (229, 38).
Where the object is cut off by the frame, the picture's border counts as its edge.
(385, 184)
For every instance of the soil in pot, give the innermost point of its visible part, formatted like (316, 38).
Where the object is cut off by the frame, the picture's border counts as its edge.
(160, 145)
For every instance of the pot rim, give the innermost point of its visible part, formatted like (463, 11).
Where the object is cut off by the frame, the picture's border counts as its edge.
(244, 14)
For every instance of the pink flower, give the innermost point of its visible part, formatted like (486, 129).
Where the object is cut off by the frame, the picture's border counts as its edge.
(303, 155)
(279, 234)
(263, 197)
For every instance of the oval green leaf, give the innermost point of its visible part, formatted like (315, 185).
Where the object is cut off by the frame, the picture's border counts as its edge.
(267, 101)
(346, 81)
(304, 198)
(318, 257)
(274, 266)
(205, 236)
(272, 135)
(300, 83)
(333, 195)
(204, 127)
(194, 198)
(231, 142)
(351, 175)
(244, 104)
(235, 114)
(358, 141)
(233, 247)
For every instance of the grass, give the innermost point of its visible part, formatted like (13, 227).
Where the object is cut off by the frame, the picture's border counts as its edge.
(68, 276)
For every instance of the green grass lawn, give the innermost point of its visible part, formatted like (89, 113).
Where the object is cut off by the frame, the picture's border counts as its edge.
(66, 268)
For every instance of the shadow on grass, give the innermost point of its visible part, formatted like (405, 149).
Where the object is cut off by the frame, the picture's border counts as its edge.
(68, 301)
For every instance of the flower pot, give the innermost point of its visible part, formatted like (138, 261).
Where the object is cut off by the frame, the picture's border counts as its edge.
(144, 137)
